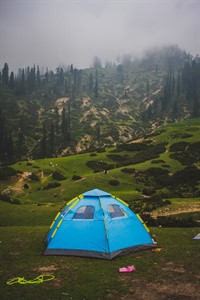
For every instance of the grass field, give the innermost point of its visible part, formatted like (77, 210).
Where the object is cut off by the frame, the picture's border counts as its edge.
(173, 273)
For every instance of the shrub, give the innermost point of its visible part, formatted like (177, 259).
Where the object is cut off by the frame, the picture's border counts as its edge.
(15, 201)
(189, 156)
(7, 172)
(128, 170)
(58, 176)
(168, 221)
(34, 176)
(176, 221)
(26, 186)
(133, 146)
(151, 152)
(76, 177)
(99, 166)
(93, 154)
(181, 146)
(190, 175)
(52, 185)
(114, 182)
(148, 192)
(5, 198)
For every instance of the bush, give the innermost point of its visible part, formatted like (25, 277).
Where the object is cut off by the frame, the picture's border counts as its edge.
(128, 170)
(52, 185)
(150, 152)
(8, 199)
(99, 166)
(148, 192)
(189, 175)
(189, 156)
(34, 176)
(93, 154)
(5, 198)
(15, 201)
(7, 172)
(176, 222)
(181, 146)
(26, 186)
(76, 177)
(114, 182)
(58, 176)
(168, 221)
(133, 146)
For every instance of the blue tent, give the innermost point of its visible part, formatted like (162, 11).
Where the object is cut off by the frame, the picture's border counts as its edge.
(97, 224)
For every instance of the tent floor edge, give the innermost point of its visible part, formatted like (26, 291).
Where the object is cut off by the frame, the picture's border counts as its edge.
(80, 253)
(98, 254)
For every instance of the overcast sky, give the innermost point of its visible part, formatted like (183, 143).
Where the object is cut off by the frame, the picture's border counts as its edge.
(61, 32)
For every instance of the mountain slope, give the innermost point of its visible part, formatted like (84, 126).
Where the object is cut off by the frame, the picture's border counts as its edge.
(73, 110)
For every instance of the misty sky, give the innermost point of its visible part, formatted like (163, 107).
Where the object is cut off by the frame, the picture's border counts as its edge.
(61, 32)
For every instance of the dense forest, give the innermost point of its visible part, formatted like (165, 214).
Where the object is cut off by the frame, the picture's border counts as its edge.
(69, 110)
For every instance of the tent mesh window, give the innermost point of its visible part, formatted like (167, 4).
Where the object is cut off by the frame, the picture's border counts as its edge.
(116, 211)
(84, 212)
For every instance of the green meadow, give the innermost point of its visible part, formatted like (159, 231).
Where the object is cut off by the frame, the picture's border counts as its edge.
(35, 192)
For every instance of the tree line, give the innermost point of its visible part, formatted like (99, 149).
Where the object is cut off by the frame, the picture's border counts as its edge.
(39, 91)
(181, 89)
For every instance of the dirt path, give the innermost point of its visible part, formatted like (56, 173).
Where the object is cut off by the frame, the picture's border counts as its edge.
(174, 212)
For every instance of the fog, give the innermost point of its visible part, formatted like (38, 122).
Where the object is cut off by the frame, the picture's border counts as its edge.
(52, 33)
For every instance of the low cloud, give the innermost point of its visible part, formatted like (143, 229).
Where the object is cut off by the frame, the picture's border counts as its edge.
(52, 33)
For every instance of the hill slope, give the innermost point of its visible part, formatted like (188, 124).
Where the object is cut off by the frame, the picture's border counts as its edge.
(73, 111)
(148, 174)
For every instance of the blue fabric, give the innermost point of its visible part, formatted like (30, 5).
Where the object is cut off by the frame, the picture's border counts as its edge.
(103, 231)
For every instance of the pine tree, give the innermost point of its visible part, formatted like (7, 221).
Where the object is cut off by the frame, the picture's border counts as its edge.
(38, 76)
(96, 87)
(91, 83)
(64, 123)
(43, 153)
(65, 128)
(147, 88)
(178, 88)
(56, 120)
(12, 81)
(52, 139)
(2, 133)
(5, 75)
(11, 149)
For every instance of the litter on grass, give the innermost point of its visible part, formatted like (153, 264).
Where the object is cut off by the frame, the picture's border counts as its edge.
(36, 280)
(197, 237)
(127, 269)
(156, 250)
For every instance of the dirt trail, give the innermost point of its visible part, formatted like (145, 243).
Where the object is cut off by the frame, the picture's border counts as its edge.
(174, 212)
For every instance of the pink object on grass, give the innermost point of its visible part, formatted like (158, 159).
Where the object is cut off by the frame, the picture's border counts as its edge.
(127, 269)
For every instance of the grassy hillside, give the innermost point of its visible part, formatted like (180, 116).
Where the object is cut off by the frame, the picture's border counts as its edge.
(165, 163)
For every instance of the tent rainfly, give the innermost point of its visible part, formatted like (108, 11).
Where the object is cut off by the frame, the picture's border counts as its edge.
(97, 224)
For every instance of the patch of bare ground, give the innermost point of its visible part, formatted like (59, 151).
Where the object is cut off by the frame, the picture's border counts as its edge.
(46, 269)
(173, 290)
(155, 214)
(137, 141)
(174, 285)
